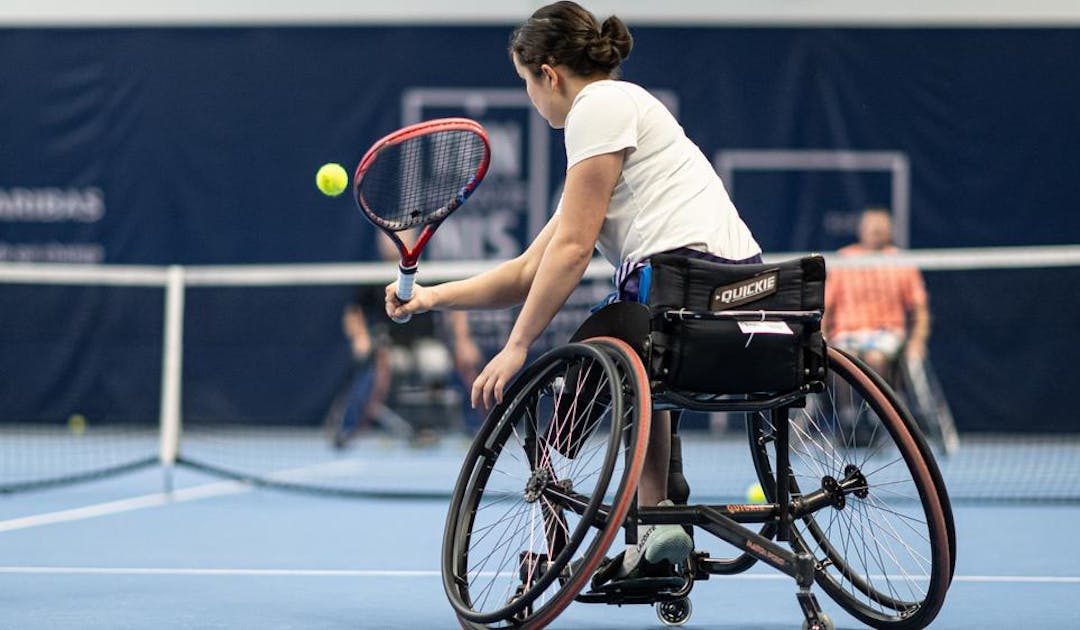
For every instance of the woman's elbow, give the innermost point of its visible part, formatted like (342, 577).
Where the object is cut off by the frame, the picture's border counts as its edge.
(576, 254)
(524, 272)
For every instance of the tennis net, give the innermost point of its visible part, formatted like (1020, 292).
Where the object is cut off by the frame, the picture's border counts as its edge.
(234, 371)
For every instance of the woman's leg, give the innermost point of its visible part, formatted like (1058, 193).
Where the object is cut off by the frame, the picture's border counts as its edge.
(656, 543)
(652, 487)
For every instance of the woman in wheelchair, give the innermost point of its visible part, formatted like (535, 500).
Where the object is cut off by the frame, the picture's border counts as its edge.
(635, 186)
(572, 452)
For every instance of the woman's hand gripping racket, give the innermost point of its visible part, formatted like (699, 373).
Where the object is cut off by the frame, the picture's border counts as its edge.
(417, 176)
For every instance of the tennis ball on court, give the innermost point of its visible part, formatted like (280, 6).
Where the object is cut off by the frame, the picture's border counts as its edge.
(755, 494)
(77, 423)
(331, 179)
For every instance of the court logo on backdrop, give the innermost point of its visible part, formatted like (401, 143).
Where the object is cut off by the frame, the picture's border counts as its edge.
(510, 207)
(49, 224)
(51, 205)
(492, 225)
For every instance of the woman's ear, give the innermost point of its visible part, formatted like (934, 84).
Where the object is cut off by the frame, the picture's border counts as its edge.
(551, 75)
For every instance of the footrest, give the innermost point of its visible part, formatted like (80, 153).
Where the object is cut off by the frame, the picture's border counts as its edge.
(641, 585)
(646, 590)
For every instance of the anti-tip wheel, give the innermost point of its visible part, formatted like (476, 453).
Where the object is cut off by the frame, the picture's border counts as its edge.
(674, 612)
(824, 623)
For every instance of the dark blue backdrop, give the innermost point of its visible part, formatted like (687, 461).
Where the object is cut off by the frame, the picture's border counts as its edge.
(199, 145)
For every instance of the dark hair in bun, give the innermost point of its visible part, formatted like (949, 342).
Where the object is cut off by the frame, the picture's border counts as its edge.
(564, 33)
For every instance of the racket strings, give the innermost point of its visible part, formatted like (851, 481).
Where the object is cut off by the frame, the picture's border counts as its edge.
(422, 178)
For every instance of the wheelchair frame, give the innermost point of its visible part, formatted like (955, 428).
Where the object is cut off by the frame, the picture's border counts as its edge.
(727, 521)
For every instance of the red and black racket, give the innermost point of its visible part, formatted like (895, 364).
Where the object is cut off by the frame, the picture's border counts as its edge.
(417, 176)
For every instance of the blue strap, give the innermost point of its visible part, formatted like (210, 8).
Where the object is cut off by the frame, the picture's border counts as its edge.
(644, 283)
(625, 272)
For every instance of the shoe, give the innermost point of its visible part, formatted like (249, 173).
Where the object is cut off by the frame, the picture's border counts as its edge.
(656, 544)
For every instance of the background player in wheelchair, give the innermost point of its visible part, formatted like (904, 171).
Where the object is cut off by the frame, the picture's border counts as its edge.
(877, 312)
(881, 314)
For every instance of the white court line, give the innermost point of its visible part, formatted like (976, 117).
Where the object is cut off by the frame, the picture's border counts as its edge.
(125, 505)
(205, 491)
(751, 577)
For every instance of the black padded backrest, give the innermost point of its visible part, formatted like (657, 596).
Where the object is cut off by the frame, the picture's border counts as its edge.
(702, 285)
(718, 356)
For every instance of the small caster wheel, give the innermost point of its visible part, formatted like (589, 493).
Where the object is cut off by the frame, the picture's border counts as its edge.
(674, 612)
(824, 623)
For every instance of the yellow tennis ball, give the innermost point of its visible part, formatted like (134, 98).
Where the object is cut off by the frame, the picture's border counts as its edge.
(77, 423)
(331, 179)
(755, 493)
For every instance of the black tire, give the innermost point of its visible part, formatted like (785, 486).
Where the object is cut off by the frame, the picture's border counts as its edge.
(883, 550)
(540, 498)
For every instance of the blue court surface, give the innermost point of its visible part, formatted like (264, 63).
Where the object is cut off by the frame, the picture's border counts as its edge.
(119, 553)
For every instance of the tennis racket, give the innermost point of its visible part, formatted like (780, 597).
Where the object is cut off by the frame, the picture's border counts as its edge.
(417, 176)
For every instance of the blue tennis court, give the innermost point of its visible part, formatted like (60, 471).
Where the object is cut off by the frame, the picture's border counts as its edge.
(119, 553)
(207, 421)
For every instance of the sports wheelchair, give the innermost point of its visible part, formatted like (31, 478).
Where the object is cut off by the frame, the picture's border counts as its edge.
(550, 480)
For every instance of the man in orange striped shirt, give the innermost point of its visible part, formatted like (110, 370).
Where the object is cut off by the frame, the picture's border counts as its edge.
(875, 311)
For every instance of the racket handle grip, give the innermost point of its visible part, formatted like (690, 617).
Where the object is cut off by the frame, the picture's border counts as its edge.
(405, 278)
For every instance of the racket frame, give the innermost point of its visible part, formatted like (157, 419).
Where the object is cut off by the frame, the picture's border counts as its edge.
(410, 257)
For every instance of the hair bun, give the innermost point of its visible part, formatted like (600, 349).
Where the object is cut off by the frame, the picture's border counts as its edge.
(618, 35)
(611, 45)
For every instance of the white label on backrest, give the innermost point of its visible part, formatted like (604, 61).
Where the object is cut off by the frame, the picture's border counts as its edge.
(766, 328)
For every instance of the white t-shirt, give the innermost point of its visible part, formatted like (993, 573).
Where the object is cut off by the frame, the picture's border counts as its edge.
(668, 195)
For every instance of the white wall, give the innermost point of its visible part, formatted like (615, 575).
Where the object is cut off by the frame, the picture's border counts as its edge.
(736, 12)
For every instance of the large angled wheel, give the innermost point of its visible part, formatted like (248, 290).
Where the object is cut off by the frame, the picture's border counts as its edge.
(879, 528)
(545, 487)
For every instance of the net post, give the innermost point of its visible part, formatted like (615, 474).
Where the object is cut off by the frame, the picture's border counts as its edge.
(171, 370)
